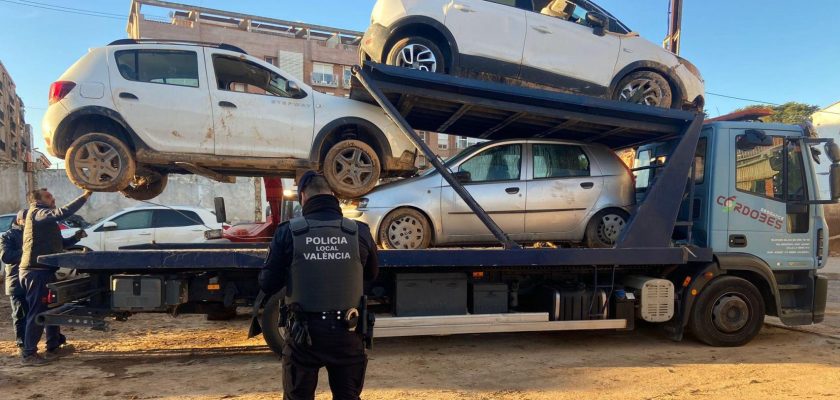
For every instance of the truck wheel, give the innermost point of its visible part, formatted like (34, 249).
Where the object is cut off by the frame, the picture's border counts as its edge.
(272, 331)
(352, 168)
(645, 87)
(405, 228)
(99, 162)
(418, 53)
(603, 229)
(728, 313)
(146, 185)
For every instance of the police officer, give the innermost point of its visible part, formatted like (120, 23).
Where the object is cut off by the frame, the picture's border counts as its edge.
(42, 236)
(11, 248)
(321, 259)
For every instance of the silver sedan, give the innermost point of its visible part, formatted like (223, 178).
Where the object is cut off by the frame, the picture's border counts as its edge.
(535, 190)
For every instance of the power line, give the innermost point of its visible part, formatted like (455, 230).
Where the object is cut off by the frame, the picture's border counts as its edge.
(71, 8)
(760, 101)
(66, 10)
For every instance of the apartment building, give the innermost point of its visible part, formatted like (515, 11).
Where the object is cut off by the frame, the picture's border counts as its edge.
(15, 139)
(320, 56)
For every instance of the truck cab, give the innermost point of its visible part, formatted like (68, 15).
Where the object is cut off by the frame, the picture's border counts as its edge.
(757, 202)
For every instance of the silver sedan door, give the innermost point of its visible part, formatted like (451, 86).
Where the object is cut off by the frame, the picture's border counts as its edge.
(564, 186)
(497, 184)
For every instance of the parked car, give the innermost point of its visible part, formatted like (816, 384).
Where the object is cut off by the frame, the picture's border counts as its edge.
(127, 114)
(572, 45)
(6, 221)
(535, 190)
(143, 225)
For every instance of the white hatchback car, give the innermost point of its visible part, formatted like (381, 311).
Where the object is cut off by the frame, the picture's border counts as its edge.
(571, 45)
(145, 225)
(127, 114)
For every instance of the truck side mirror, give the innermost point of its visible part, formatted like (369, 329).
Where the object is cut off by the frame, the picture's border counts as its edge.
(832, 150)
(834, 178)
(753, 138)
(219, 206)
(597, 21)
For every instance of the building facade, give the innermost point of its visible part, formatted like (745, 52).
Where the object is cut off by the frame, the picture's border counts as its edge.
(320, 56)
(15, 139)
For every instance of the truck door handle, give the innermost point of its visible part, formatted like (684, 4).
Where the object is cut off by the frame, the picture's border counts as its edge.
(227, 104)
(737, 241)
(463, 8)
(542, 29)
(587, 185)
(129, 96)
(512, 190)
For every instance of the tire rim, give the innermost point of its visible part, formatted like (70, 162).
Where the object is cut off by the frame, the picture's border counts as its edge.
(97, 163)
(417, 56)
(642, 91)
(354, 167)
(731, 313)
(405, 232)
(609, 228)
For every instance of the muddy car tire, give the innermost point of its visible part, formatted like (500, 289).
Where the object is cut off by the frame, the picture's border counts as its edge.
(603, 229)
(273, 333)
(352, 168)
(418, 53)
(729, 312)
(100, 163)
(146, 185)
(405, 228)
(645, 87)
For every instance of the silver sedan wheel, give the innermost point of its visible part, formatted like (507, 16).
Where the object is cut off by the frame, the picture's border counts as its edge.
(643, 91)
(417, 56)
(98, 163)
(354, 167)
(405, 232)
(609, 228)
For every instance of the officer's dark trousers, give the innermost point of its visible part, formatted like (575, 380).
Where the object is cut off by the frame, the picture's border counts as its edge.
(35, 283)
(19, 307)
(333, 347)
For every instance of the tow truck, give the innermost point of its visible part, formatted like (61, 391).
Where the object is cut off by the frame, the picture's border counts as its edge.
(728, 227)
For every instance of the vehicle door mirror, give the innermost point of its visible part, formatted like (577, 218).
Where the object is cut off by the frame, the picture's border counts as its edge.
(753, 138)
(109, 226)
(219, 206)
(598, 22)
(834, 177)
(294, 90)
(462, 176)
(832, 149)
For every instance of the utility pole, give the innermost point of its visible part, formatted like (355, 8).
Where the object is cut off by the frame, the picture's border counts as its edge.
(672, 41)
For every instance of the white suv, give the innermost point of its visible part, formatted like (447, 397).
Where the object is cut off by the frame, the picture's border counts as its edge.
(127, 114)
(571, 45)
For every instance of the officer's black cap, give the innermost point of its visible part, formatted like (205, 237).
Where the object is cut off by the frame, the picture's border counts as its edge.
(304, 181)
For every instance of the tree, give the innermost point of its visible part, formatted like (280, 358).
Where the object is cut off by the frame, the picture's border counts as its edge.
(788, 113)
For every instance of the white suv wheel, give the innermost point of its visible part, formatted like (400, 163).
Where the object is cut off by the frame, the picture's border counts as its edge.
(417, 53)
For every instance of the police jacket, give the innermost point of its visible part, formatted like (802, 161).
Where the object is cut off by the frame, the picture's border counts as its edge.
(42, 235)
(11, 248)
(275, 272)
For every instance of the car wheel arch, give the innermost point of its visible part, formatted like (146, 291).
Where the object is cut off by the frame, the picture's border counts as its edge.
(346, 128)
(677, 85)
(424, 27)
(91, 118)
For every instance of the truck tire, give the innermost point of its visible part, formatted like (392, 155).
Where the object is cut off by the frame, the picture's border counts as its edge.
(272, 332)
(100, 163)
(418, 53)
(728, 313)
(352, 168)
(603, 229)
(146, 185)
(645, 87)
(405, 228)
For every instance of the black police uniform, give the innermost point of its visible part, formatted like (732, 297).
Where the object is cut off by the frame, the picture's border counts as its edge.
(321, 260)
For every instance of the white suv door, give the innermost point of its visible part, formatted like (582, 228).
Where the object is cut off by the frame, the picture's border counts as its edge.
(178, 226)
(163, 96)
(132, 228)
(254, 115)
(558, 48)
(493, 29)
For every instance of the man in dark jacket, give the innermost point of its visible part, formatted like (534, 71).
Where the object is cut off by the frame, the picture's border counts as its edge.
(321, 259)
(42, 236)
(11, 249)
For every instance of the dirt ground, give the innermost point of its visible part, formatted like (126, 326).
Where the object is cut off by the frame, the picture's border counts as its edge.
(158, 357)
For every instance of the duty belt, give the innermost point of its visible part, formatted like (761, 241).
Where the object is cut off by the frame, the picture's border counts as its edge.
(350, 316)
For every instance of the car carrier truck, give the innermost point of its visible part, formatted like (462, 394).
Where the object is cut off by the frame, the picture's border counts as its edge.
(728, 228)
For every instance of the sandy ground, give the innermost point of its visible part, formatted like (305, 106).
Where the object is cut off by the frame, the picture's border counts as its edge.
(158, 357)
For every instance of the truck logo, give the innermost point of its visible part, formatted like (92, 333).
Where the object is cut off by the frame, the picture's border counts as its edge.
(731, 204)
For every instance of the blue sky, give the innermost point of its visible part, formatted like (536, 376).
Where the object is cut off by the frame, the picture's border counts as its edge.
(763, 50)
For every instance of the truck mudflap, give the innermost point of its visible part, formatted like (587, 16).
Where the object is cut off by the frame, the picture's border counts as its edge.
(820, 298)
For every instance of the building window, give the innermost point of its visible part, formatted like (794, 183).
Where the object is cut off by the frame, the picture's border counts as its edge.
(348, 76)
(271, 60)
(323, 75)
(443, 141)
(422, 136)
(421, 161)
(462, 142)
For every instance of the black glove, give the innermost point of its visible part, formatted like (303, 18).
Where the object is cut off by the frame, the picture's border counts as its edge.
(80, 234)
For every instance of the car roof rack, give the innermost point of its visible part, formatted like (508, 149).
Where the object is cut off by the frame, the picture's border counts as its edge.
(222, 46)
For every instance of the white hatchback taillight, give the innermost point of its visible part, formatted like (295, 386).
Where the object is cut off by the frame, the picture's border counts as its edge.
(60, 89)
